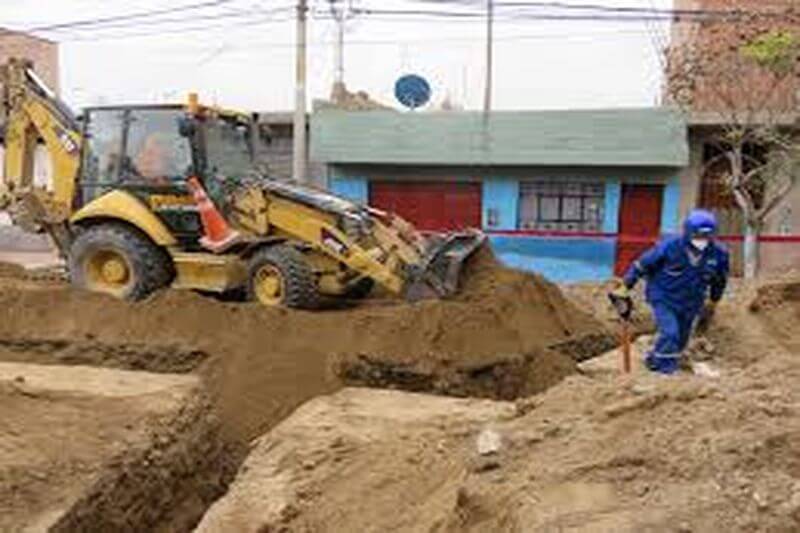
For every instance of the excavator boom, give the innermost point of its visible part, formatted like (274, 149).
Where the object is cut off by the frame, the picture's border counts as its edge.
(430, 265)
(34, 113)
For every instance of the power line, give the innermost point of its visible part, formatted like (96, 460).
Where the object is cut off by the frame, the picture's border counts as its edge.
(215, 17)
(131, 16)
(181, 30)
(607, 9)
(436, 41)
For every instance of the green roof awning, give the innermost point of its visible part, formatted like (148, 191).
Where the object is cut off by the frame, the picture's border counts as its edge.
(613, 137)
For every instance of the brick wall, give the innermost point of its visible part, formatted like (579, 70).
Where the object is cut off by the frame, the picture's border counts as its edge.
(42, 52)
(705, 71)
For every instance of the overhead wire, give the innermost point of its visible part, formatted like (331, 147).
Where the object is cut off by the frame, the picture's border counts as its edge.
(506, 12)
(566, 6)
(115, 18)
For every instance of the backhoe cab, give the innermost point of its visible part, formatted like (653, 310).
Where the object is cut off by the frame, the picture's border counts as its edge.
(146, 197)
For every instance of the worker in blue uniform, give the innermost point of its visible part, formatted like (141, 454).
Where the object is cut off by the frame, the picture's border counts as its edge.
(686, 277)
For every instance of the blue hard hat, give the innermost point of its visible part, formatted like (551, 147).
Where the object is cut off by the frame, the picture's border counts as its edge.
(700, 222)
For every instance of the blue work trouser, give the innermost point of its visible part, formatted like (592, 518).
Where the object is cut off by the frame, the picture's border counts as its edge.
(674, 328)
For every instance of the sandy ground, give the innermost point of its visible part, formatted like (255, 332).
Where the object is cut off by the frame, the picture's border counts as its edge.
(345, 447)
(67, 434)
(31, 259)
(506, 335)
(599, 451)
(580, 448)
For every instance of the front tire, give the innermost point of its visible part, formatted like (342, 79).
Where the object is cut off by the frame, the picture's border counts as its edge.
(119, 260)
(279, 275)
(360, 289)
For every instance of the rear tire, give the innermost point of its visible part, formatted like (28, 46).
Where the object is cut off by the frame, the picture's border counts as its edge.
(279, 275)
(119, 260)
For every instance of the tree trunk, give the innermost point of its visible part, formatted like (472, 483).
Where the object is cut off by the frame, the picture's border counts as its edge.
(750, 251)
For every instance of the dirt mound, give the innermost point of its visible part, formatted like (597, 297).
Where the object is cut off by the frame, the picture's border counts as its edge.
(778, 306)
(493, 340)
(596, 452)
(12, 270)
(506, 334)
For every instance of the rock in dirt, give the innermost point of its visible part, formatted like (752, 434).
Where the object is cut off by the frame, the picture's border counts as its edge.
(105, 450)
(488, 442)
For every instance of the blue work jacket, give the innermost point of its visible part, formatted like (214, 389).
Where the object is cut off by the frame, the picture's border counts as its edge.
(677, 280)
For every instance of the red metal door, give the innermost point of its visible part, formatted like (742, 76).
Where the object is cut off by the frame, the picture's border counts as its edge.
(432, 206)
(639, 223)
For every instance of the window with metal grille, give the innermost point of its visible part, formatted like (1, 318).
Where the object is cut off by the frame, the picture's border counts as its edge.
(561, 205)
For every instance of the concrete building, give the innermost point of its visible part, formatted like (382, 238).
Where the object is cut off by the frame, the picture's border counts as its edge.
(278, 153)
(575, 195)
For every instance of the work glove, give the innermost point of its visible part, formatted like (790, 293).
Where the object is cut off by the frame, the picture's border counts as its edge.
(706, 316)
(622, 301)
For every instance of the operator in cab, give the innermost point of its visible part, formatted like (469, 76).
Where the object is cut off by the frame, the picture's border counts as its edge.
(686, 276)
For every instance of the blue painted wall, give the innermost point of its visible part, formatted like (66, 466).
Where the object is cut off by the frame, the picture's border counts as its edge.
(500, 204)
(352, 188)
(564, 260)
(670, 207)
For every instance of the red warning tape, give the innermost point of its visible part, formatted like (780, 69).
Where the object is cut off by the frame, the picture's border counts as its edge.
(632, 239)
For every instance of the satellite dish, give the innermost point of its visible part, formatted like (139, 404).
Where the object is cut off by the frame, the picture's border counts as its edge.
(412, 91)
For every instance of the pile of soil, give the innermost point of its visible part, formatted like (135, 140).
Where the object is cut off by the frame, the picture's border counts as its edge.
(778, 305)
(597, 452)
(504, 336)
(12, 270)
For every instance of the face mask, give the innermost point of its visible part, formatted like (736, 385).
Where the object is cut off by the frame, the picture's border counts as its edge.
(700, 244)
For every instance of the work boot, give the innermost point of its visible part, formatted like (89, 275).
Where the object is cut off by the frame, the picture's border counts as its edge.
(662, 365)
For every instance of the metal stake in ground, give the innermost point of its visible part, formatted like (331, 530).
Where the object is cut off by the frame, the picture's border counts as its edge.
(623, 304)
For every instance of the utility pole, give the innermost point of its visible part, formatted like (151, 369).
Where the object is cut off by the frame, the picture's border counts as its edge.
(299, 163)
(339, 16)
(487, 95)
(341, 12)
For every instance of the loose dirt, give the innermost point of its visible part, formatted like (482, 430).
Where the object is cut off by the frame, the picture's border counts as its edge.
(596, 452)
(105, 450)
(507, 334)
(12, 270)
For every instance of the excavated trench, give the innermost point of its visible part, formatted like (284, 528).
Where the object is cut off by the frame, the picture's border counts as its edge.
(166, 484)
(506, 335)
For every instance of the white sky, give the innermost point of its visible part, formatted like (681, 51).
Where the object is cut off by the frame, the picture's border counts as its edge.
(246, 64)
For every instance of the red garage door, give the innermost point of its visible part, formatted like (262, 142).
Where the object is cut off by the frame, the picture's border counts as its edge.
(432, 206)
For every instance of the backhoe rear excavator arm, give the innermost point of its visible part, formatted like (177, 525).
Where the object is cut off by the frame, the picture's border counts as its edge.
(34, 112)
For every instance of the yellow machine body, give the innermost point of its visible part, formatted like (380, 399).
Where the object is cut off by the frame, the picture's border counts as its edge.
(321, 240)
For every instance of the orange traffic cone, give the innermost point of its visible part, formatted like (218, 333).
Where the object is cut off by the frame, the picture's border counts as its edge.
(218, 234)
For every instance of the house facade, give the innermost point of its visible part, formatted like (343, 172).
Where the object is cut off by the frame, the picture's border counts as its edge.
(707, 75)
(574, 195)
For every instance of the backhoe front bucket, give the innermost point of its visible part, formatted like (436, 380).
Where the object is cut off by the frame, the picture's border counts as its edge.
(438, 275)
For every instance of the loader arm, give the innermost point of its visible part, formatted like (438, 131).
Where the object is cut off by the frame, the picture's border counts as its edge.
(34, 112)
(368, 241)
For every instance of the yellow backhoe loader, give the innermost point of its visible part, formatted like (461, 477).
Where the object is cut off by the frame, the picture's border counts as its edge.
(147, 197)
